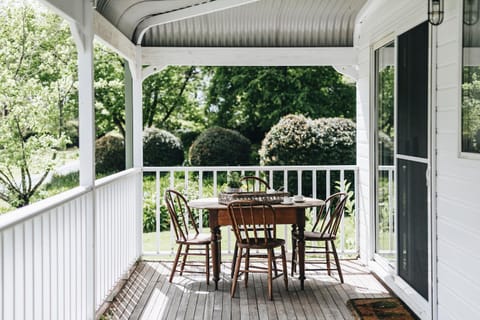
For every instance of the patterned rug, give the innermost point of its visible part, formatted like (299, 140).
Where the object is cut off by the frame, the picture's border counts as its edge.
(380, 308)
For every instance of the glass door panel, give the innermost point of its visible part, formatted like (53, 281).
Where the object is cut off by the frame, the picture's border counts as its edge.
(384, 152)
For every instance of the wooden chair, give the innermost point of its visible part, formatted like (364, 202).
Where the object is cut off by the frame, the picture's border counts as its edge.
(252, 184)
(254, 225)
(324, 231)
(187, 235)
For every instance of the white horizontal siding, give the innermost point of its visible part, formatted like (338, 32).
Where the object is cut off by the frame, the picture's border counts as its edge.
(458, 186)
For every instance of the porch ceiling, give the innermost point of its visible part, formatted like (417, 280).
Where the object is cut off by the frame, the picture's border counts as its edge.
(234, 23)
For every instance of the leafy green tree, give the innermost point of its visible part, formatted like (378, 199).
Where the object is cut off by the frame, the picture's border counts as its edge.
(109, 77)
(253, 99)
(37, 90)
(173, 101)
(172, 98)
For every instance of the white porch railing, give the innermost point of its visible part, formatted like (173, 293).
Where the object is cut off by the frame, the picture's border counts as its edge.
(117, 230)
(385, 213)
(59, 258)
(198, 182)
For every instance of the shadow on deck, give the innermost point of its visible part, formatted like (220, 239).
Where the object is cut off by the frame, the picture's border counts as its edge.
(148, 295)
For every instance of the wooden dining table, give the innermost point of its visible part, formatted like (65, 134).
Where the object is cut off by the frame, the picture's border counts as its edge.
(293, 214)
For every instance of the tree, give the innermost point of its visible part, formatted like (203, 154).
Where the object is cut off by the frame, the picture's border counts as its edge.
(109, 77)
(252, 99)
(37, 84)
(172, 99)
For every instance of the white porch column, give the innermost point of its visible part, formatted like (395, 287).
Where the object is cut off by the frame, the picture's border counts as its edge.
(128, 117)
(137, 137)
(83, 35)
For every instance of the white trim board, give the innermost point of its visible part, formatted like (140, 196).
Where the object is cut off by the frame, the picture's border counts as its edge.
(206, 56)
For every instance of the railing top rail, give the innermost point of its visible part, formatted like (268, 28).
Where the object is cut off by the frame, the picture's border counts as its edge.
(383, 167)
(18, 216)
(252, 168)
(115, 177)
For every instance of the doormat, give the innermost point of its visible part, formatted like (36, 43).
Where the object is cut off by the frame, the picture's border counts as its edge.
(380, 308)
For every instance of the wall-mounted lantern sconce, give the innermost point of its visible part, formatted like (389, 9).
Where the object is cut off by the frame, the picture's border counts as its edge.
(435, 12)
(471, 11)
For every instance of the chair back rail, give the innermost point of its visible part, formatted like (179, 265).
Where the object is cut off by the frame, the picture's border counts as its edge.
(252, 220)
(180, 214)
(253, 183)
(330, 214)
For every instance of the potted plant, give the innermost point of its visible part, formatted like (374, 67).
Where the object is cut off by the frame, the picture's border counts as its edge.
(233, 184)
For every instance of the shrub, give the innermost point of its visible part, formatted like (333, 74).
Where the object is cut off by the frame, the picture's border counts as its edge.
(110, 153)
(297, 140)
(386, 145)
(220, 147)
(161, 148)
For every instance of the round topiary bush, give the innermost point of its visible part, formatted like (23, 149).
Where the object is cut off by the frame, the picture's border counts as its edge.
(161, 148)
(219, 147)
(110, 153)
(297, 140)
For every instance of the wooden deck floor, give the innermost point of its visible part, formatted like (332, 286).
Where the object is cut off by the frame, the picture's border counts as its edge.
(149, 295)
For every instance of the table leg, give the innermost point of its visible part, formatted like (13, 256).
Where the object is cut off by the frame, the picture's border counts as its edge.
(215, 232)
(301, 255)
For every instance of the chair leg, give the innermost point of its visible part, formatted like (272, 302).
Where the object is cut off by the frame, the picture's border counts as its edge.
(247, 265)
(337, 262)
(207, 263)
(274, 262)
(234, 259)
(269, 275)
(235, 274)
(284, 266)
(179, 250)
(270, 262)
(327, 253)
(184, 259)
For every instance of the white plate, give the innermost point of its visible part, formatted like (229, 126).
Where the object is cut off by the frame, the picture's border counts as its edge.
(283, 202)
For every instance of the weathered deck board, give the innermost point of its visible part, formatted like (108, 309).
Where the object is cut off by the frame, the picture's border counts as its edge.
(149, 295)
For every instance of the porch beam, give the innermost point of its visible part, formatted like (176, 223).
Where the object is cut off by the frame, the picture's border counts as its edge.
(187, 13)
(112, 37)
(265, 56)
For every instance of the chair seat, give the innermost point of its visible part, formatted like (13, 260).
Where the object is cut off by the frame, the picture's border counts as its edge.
(315, 236)
(261, 244)
(201, 238)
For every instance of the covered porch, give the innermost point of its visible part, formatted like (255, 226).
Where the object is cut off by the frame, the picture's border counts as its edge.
(81, 254)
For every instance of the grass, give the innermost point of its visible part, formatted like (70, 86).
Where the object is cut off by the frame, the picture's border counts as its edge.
(58, 183)
(167, 243)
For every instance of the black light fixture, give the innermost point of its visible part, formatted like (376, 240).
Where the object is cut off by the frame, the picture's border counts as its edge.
(471, 11)
(435, 12)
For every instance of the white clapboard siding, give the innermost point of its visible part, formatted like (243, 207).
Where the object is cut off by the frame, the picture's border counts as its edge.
(458, 185)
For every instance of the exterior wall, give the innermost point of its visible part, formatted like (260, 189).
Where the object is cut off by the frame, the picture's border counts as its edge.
(380, 22)
(458, 184)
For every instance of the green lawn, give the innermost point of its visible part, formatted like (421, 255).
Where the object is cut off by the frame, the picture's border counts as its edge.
(149, 239)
